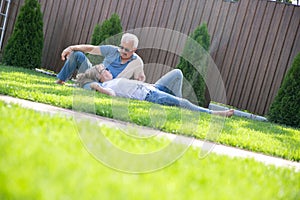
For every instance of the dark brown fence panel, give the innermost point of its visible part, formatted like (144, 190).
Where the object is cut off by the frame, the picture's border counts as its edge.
(267, 39)
(256, 55)
(272, 86)
(156, 9)
(269, 57)
(224, 59)
(167, 20)
(264, 72)
(11, 19)
(253, 42)
(291, 38)
(223, 41)
(53, 28)
(245, 47)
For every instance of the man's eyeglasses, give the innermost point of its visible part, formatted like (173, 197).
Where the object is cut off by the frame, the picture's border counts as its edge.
(125, 49)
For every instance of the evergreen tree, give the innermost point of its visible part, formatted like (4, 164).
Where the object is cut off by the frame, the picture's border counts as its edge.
(96, 35)
(194, 69)
(285, 108)
(108, 32)
(25, 46)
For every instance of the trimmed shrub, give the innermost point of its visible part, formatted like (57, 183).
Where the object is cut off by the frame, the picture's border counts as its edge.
(285, 108)
(109, 32)
(25, 46)
(103, 33)
(195, 74)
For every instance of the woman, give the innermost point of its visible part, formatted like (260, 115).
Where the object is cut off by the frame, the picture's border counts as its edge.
(163, 92)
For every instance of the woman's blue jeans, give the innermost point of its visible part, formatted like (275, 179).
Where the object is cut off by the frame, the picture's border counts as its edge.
(163, 98)
(172, 81)
(76, 61)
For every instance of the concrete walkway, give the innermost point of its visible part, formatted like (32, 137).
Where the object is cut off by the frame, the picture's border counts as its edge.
(218, 149)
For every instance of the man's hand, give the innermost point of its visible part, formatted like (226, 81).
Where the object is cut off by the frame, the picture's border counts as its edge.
(85, 48)
(66, 53)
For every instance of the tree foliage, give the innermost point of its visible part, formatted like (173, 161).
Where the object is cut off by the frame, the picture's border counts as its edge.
(285, 108)
(108, 32)
(25, 46)
(194, 69)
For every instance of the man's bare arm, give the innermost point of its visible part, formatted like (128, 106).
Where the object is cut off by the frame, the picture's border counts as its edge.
(86, 48)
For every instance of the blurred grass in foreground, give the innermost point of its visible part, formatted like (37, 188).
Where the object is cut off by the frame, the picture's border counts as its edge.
(42, 157)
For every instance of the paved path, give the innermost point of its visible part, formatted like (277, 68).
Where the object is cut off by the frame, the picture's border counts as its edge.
(218, 149)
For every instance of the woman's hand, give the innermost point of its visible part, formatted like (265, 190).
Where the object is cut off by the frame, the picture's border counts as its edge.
(98, 88)
(112, 93)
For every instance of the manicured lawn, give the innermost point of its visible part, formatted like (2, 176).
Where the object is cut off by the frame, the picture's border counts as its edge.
(42, 157)
(265, 137)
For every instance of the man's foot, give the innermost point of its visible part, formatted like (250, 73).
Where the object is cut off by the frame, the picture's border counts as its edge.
(226, 113)
(59, 82)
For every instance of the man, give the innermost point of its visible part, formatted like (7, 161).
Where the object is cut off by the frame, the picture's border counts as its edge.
(121, 61)
(157, 93)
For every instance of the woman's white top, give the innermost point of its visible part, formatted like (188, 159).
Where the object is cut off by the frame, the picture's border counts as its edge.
(128, 88)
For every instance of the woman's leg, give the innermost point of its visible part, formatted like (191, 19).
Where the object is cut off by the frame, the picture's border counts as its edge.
(172, 81)
(163, 98)
(76, 61)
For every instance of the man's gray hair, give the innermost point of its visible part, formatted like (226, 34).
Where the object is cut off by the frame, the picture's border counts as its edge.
(127, 37)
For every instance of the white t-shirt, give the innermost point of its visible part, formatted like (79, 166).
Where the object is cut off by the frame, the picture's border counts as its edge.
(129, 88)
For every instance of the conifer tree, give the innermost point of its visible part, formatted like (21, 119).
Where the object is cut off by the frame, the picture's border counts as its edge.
(108, 32)
(285, 108)
(25, 46)
(195, 72)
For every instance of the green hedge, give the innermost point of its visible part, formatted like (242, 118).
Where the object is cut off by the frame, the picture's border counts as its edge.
(195, 73)
(285, 108)
(109, 29)
(25, 46)
(109, 32)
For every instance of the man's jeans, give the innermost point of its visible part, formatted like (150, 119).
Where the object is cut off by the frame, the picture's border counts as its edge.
(76, 61)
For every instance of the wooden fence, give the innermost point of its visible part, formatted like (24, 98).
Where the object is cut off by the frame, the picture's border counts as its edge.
(253, 42)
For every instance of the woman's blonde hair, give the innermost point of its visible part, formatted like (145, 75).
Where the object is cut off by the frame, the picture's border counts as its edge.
(91, 75)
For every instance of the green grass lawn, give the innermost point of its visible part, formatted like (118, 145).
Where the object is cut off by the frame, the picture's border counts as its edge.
(264, 137)
(42, 157)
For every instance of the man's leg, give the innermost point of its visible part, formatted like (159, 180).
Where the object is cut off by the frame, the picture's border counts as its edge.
(76, 61)
(173, 81)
